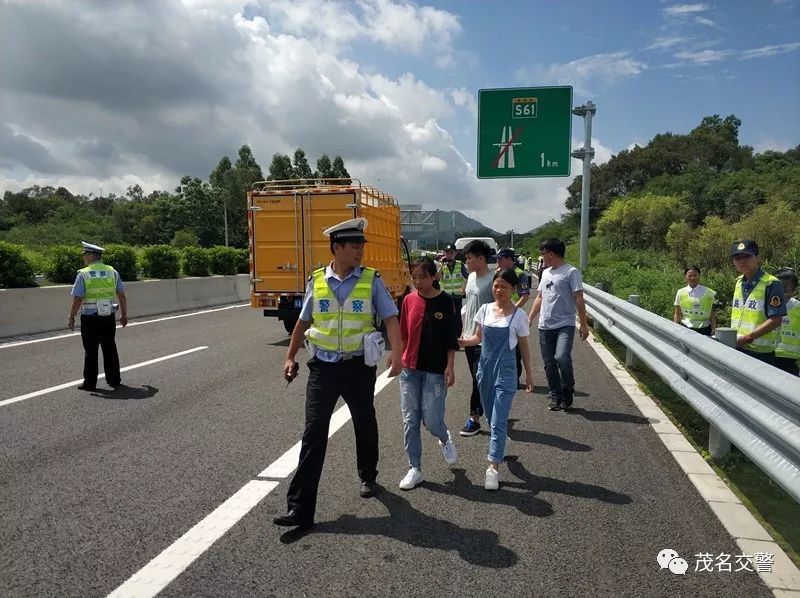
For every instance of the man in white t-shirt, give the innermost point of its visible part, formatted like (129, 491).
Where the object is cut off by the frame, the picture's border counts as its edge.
(478, 291)
(560, 298)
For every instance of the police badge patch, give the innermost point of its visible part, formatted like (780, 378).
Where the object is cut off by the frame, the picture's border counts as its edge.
(775, 301)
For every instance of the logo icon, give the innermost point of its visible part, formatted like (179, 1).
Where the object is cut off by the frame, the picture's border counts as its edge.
(670, 559)
(740, 246)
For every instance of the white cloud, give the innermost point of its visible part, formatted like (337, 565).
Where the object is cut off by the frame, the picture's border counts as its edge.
(705, 21)
(433, 163)
(703, 56)
(769, 144)
(679, 10)
(766, 51)
(604, 68)
(665, 42)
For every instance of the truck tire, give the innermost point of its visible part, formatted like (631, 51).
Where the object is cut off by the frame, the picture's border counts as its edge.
(290, 321)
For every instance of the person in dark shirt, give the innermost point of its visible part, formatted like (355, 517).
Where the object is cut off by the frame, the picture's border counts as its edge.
(428, 327)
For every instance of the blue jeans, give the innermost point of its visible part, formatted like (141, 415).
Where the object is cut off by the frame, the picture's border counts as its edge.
(422, 397)
(556, 347)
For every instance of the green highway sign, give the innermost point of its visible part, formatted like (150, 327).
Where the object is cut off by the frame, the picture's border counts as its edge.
(524, 132)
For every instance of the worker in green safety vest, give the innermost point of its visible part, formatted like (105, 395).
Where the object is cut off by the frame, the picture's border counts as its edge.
(337, 319)
(453, 279)
(787, 353)
(695, 304)
(758, 304)
(96, 286)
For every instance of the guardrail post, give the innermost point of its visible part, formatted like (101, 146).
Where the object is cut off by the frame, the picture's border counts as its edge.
(630, 358)
(718, 445)
(595, 321)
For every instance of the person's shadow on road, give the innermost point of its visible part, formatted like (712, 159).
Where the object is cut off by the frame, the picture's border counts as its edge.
(125, 392)
(478, 547)
(531, 436)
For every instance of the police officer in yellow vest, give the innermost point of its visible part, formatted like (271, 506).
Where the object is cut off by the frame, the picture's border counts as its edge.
(787, 353)
(93, 294)
(453, 279)
(758, 304)
(695, 304)
(341, 303)
(507, 260)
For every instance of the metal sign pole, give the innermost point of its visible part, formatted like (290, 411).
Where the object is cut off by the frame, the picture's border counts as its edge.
(586, 154)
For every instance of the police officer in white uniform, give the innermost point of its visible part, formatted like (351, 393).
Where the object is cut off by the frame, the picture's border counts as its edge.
(341, 302)
(93, 294)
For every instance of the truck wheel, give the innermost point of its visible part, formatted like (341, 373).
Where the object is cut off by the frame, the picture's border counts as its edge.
(290, 321)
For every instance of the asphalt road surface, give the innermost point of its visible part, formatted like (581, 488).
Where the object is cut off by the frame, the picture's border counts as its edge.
(103, 492)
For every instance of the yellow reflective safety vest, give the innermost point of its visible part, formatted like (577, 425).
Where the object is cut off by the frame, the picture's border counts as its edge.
(789, 338)
(452, 281)
(696, 311)
(100, 283)
(341, 327)
(748, 315)
(520, 273)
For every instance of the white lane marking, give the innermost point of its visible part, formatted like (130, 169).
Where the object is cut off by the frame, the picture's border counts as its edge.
(158, 573)
(287, 462)
(71, 334)
(45, 391)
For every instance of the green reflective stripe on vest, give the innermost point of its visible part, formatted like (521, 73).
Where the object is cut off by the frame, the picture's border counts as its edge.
(747, 316)
(519, 272)
(100, 282)
(696, 311)
(789, 338)
(342, 327)
(452, 282)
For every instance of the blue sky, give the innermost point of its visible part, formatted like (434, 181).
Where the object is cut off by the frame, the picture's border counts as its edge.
(133, 92)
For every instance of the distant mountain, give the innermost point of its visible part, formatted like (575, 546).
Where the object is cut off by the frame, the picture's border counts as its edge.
(451, 225)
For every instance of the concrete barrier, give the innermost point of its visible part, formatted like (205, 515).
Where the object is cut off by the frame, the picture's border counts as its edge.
(44, 309)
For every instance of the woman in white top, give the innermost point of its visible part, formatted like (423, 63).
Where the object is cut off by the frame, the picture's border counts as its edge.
(500, 325)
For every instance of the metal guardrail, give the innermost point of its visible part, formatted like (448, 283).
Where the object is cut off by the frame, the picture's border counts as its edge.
(751, 403)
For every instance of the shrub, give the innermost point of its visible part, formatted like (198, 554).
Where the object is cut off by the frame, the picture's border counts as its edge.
(224, 260)
(184, 238)
(123, 259)
(160, 261)
(196, 261)
(15, 269)
(38, 260)
(65, 261)
(244, 261)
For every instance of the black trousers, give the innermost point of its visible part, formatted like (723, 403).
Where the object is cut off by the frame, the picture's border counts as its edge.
(787, 364)
(473, 357)
(518, 354)
(99, 331)
(355, 383)
(458, 301)
(765, 357)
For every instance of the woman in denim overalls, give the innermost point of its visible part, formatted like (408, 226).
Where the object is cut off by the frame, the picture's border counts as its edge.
(500, 325)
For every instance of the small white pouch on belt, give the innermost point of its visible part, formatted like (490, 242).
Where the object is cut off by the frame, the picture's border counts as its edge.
(374, 348)
(310, 347)
(105, 307)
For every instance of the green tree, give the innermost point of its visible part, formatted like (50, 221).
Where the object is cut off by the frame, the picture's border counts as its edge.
(339, 171)
(300, 167)
(324, 167)
(640, 222)
(280, 169)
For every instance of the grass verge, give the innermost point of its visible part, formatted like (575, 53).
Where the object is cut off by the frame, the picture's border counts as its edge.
(773, 507)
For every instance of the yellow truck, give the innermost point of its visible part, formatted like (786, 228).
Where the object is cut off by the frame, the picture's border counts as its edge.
(286, 220)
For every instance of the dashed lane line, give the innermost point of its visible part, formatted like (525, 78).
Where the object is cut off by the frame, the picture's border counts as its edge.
(45, 391)
(169, 564)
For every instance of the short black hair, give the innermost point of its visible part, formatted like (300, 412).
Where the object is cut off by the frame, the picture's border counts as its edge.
(555, 245)
(787, 274)
(478, 248)
(692, 267)
(508, 275)
(427, 265)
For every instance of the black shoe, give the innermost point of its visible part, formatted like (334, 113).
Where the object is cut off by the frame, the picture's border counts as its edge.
(293, 519)
(521, 386)
(566, 403)
(368, 489)
(86, 387)
(555, 404)
(115, 384)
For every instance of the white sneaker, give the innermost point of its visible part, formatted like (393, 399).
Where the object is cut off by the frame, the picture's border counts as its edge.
(492, 480)
(449, 450)
(413, 477)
